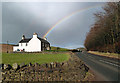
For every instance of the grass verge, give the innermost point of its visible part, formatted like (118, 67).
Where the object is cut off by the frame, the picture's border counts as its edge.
(10, 58)
(111, 55)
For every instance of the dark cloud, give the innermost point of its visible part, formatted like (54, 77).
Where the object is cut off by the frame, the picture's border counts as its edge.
(27, 18)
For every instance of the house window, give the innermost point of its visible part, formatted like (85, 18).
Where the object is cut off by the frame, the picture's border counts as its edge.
(26, 44)
(21, 44)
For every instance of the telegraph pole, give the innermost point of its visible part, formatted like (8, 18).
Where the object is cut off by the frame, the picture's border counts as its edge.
(7, 46)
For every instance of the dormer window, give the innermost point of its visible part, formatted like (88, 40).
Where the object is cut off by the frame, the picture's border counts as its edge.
(26, 44)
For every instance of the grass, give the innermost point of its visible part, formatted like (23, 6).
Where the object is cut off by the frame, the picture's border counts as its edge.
(10, 58)
(112, 55)
(60, 49)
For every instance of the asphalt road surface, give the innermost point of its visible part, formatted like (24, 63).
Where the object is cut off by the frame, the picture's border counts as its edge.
(105, 69)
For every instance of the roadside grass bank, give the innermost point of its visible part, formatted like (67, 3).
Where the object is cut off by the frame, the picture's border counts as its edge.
(41, 58)
(110, 55)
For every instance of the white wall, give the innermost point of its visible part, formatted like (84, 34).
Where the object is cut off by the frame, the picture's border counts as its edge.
(15, 48)
(34, 45)
(20, 47)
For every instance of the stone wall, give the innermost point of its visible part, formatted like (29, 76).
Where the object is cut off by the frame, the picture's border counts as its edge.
(72, 70)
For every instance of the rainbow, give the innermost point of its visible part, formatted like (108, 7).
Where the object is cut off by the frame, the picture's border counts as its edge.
(68, 16)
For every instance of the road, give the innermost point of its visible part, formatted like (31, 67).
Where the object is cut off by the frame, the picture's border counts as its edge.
(105, 69)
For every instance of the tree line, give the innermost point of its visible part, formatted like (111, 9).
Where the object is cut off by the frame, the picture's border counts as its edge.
(104, 35)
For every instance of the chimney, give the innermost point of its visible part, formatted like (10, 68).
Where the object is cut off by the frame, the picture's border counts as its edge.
(35, 35)
(45, 38)
(23, 37)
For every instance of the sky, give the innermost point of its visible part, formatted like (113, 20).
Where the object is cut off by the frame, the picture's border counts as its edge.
(20, 18)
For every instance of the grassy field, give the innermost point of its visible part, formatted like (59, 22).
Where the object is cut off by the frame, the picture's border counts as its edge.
(58, 49)
(112, 55)
(10, 58)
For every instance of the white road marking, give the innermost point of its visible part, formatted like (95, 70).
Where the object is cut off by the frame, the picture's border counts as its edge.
(109, 63)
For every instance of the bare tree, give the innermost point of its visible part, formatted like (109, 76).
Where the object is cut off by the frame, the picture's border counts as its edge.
(105, 33)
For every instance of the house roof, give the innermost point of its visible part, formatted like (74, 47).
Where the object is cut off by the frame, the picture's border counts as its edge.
(16, 45)
(28, 39)
(43, 40)
(25, 40)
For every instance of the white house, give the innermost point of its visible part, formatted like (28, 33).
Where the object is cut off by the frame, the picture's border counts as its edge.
(34, 44)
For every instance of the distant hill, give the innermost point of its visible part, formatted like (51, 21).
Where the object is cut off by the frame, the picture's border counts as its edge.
(58, 49)
(4, 47)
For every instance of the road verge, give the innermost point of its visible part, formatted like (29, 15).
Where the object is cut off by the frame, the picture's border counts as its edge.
(109, 55)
